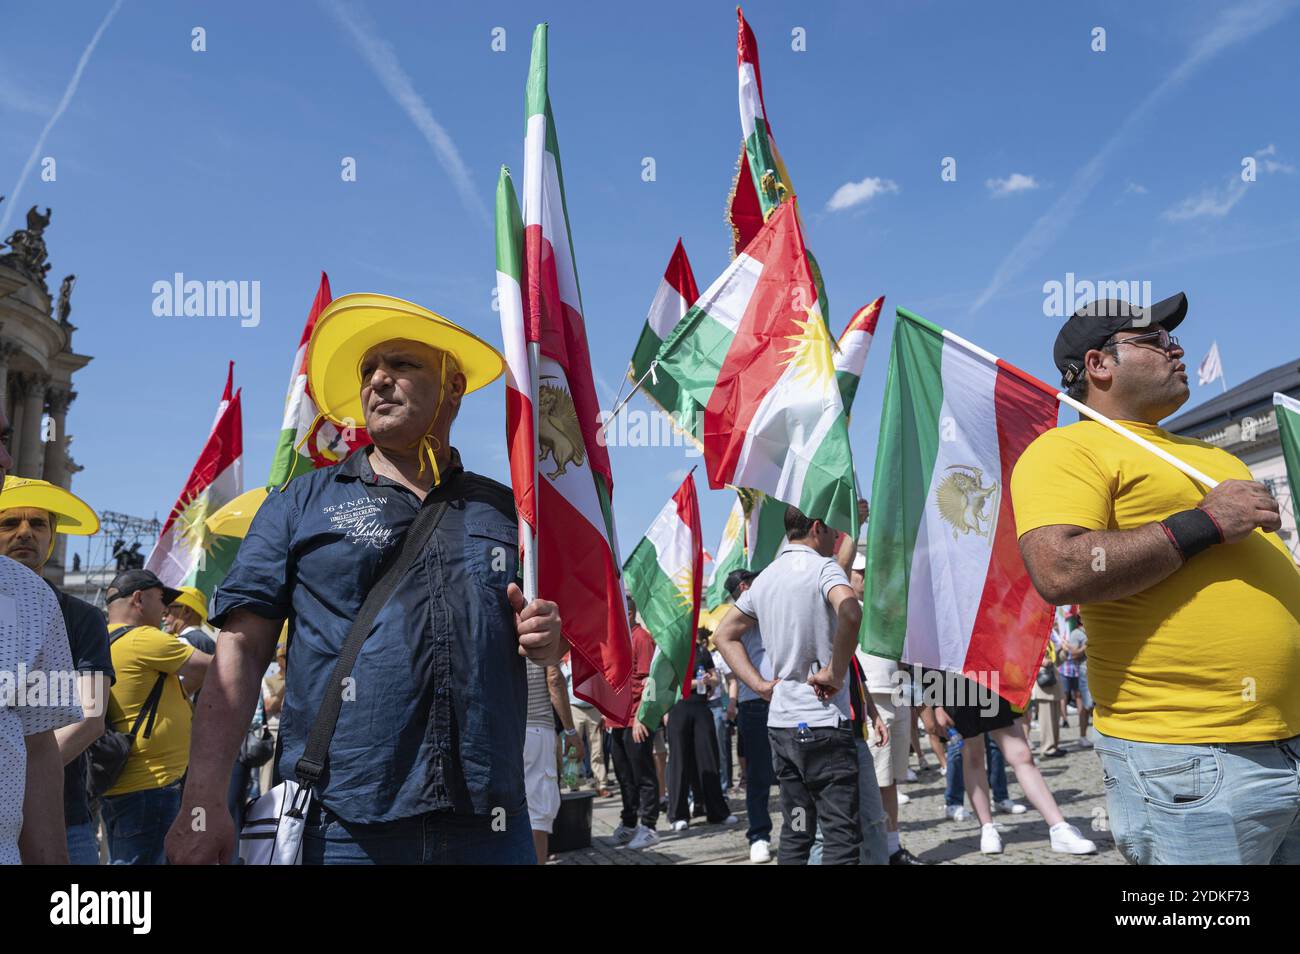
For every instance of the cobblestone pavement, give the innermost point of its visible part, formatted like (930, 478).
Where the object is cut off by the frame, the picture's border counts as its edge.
(1075, 781)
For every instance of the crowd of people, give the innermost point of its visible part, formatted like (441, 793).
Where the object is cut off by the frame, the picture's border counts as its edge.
(421, 710)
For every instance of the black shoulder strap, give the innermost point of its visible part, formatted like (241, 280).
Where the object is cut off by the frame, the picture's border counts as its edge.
(312, 764)
(150, 708)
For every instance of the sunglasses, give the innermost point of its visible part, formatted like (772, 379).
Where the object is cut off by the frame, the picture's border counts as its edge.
(1159, 338)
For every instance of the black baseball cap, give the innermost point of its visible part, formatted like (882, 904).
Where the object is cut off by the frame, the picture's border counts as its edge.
(737, 577)
(1090, 327)
(133, 581)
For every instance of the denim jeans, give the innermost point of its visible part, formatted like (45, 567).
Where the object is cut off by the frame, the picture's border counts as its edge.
(724, 742)
(751, 721)
(137, 823)
(1229, 803)
(83, 846)
(954, 793)
(871, 814)
(438, 838)
(819, 783)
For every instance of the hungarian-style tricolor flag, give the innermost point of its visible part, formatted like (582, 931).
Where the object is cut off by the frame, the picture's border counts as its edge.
(754, 351)
(764, 530)
(307, 440)
(945, 585)
(577, 550)
(187, 552)
(854, 343)
(673, 299)
(1287, 411)
(520, 439)
(664, 575)
(730, 556)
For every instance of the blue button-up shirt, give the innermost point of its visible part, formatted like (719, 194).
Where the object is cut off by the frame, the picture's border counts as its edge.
(435, 717)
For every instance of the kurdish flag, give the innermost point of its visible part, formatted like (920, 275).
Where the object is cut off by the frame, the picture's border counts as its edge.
(851, 355)
(1287, 411)
(188, 553)
(673, 299)
(730, 556)
(755, 353)
(764, 530)
(577, 549)
(664, 575)
(307, 440)
(945, 585)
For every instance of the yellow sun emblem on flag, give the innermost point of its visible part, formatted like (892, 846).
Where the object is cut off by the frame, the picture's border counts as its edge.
(731, 532)
(192, 527)
(684, 580)
(811, 352)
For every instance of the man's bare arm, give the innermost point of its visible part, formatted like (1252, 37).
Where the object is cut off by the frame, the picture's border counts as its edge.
(727, 637)
(1073, 565)
(194, 670)
(848, 621)
(43, 839)
(559, 692)
(92, 692)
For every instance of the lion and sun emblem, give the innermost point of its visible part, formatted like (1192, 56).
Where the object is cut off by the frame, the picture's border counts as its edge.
(965, 503)
(559, 434)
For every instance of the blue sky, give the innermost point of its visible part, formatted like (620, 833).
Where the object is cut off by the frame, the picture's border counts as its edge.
(225, 165)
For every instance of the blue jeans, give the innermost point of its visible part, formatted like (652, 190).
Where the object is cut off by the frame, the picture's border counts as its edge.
(724, 743)
(871, 814)
(137, 823)
(1230, 803)
(83, 846)
(438, 838)
(751, 721)
(954, 792)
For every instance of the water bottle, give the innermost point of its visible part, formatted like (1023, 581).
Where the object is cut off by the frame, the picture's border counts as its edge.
(570, 773)
(803, 734)
(955, 738)
(700, 687)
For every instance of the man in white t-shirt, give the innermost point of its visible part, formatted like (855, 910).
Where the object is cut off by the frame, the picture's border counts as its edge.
(810, 620)
(41, 696)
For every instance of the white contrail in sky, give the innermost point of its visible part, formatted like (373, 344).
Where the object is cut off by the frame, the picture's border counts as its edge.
(1233, 26)
(382, 58)
(68, 93)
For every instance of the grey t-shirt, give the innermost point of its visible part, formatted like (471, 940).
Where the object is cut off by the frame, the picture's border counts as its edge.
(789, 602)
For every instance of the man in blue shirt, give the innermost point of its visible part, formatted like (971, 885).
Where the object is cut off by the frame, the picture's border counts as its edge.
(426, 761)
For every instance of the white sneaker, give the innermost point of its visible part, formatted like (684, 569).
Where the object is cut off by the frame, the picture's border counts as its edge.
(943, 771)
(991, 841)
(957, 813)
(1066, 839)
(904, 798)
(912, 776)
(760, 853)
(680, 825)
(1085, 743)
(623, 834)
(1009, 806)
(644, 838)
(730, 820)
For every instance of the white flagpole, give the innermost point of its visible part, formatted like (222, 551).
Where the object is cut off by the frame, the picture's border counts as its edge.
(529, 536)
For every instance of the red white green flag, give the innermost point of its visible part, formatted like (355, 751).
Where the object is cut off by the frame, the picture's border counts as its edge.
(730, 556)
(754, 351)
(664, 574)
(187, 552)
(307, 439)
(851, 355)
(945, 585)
(577, 549)
(673, 299)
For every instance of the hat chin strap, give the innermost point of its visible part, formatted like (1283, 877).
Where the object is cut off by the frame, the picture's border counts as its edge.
(428, 444)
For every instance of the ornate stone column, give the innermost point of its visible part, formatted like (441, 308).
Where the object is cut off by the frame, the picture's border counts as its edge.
(7, 349)
(56, 450)
(31, 456)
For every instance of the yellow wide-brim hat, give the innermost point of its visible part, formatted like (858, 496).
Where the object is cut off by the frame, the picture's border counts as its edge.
(352, 325)
(72, 515)
(233, 518)
(193, 597)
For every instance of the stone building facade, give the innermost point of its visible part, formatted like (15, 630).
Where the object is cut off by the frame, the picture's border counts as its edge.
(37, 362)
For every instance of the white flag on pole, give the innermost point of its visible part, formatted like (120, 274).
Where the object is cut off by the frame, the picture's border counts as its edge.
(1211, 367)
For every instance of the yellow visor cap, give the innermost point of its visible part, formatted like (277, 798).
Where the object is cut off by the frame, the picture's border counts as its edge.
(192, 597)
(72, 515)
(352, 325)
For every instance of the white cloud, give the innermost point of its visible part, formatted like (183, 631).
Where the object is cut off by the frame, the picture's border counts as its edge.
(1135, 187)
(1218, 202)
(856, 193)
(18, 100)
(1016, 182)
(7, 209)
(382, 59)
(675, 477)
(1234, 25)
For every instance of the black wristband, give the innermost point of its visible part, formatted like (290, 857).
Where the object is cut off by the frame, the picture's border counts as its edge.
(1192, 531)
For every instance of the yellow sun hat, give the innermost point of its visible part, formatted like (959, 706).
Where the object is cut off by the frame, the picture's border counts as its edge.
(352, 325)
(233, 518)
(192, 597)
(72, 515)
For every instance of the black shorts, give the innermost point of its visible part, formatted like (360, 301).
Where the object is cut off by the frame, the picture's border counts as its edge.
(968, 716)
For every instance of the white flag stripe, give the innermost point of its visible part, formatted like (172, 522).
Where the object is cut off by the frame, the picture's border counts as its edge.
(727, 298)
(1211, 367)
(510, 301)
(750, 106)
(948, 569)
(667, 309)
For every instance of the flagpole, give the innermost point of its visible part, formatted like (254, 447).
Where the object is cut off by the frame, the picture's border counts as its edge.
(528, 536)
(637, 387)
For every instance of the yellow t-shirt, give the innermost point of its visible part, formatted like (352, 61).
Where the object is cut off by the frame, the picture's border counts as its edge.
(1212, 652)
(138, 657)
